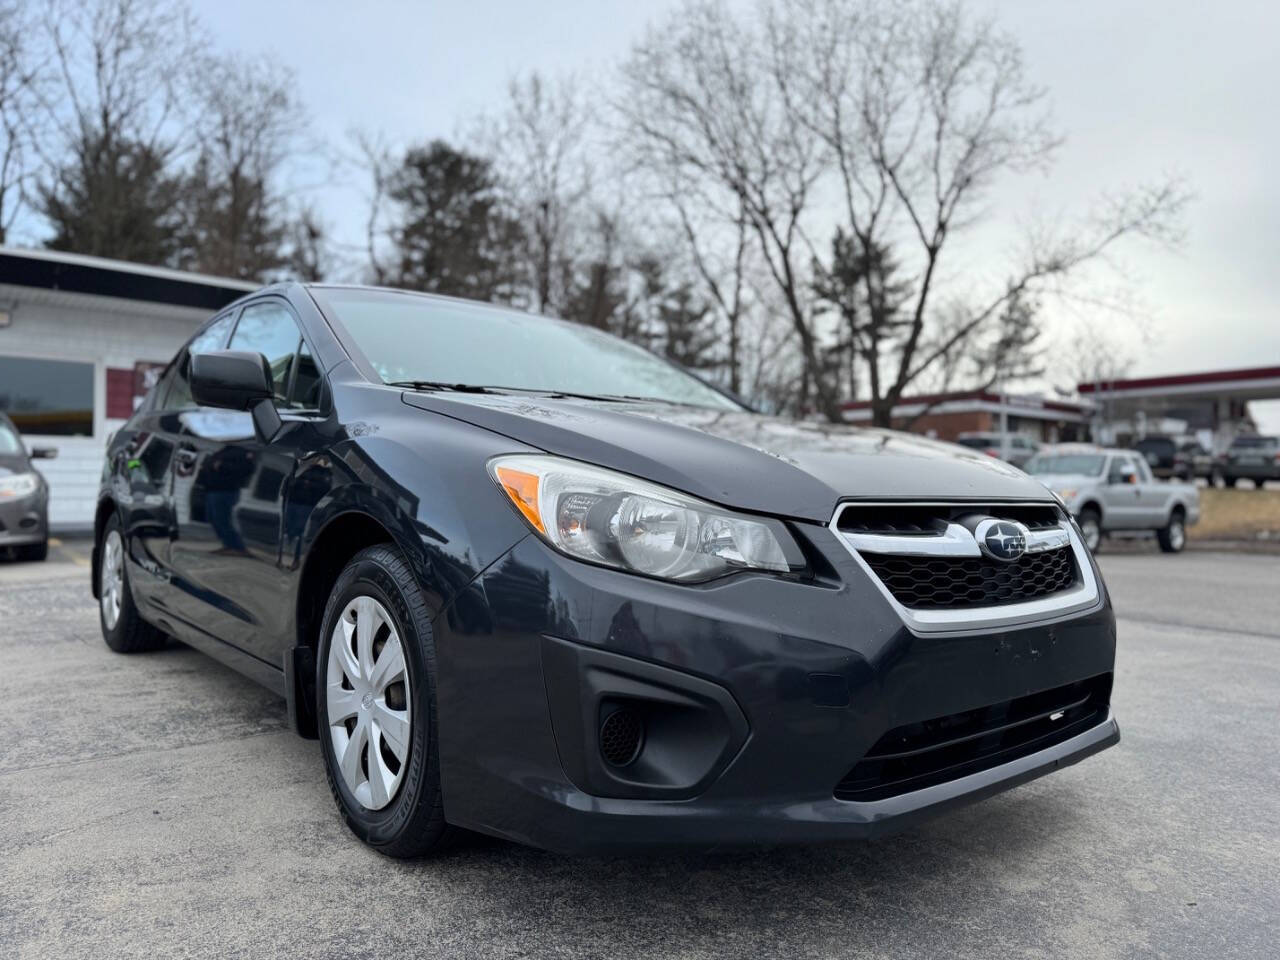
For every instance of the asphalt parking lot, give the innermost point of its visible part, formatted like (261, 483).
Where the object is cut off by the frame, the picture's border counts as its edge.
(157, 805)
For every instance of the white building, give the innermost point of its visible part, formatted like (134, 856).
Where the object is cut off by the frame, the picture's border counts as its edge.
(80, 341)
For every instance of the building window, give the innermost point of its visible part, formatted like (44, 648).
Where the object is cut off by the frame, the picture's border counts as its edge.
(50, 397)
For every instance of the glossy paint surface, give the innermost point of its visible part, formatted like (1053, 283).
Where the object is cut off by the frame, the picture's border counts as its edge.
(224, 532)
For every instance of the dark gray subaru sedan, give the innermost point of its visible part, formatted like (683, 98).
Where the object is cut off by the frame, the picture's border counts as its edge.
(518, 576)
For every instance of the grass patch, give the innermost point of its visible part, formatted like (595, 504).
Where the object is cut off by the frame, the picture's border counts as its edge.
(1237, 515)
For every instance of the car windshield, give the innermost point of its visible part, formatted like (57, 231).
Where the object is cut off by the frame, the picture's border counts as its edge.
(10, 445)
(1081, 464)
(977, 442)
(407, 338)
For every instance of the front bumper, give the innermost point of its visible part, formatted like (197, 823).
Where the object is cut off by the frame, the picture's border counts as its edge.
(23, 520)
(778, 689)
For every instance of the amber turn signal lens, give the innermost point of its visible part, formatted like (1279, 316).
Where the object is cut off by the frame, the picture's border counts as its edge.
(522, 488)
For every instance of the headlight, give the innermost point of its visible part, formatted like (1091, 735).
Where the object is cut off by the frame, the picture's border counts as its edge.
(619, 521)
(19, 485)
(1067, 494)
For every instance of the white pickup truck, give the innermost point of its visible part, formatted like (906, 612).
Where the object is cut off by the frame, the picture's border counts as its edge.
(1110, 491)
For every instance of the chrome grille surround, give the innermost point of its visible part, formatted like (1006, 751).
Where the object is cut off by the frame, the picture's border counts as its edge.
(955, 540)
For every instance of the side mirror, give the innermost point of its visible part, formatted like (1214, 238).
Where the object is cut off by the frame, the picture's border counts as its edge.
(236, 380)
(44, 453)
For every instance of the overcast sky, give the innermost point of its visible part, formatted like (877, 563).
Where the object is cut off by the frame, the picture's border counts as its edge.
(1139, 87)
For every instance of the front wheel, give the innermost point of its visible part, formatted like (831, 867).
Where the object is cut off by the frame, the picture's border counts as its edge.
(123, 628)
(1173, 535)
(376, 704)
(1090, 528)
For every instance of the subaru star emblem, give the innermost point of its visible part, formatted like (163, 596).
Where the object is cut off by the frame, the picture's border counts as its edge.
(1002, 540)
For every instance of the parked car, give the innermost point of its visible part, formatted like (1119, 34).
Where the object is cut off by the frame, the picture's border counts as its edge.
(1020, 448)
(1252, 457)
(1181, 458)
(24, 496)
(522, 577)
(1112, 491)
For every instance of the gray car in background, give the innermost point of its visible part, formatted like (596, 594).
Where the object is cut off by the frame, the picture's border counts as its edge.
(1252, 457)
(1112, 491)
(24, 496)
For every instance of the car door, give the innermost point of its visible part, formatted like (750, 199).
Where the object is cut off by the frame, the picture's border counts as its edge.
(228, 547)
(1153, 496)
(1120, 498)
(143, 471)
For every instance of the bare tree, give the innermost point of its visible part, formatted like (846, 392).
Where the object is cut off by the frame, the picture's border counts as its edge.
(907, 113)
(373, 156)
(22, 71)
(539, 145)
(698, 101)
(113, 129)
(923, 108)
(249, 123)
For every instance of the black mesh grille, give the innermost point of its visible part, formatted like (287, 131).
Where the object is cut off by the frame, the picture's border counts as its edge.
(939, 583)
(620, 737)
(922, 754)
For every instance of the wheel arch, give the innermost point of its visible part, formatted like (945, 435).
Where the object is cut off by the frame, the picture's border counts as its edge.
(1093, 505)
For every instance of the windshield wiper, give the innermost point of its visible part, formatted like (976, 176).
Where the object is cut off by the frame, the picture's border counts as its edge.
(549, 392)
(441, 385)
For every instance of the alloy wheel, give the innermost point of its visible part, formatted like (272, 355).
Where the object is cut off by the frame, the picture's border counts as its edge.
(1091, 532)
(111, 579)
(1177, 535)
(367, 696)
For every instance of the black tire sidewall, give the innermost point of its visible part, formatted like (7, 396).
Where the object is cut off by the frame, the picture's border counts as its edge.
(115, 637)
(367, 575)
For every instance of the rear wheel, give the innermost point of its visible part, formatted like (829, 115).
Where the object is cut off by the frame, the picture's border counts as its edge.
(1090, 528)
(376, 704)
(1173, 535)
(123, 628)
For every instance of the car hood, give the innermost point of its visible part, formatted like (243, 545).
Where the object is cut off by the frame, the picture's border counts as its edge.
(787, 468)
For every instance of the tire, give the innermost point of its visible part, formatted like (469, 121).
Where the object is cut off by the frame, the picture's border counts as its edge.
(1090, 523)
(34, 552)
(1233, 481)
(123, 628)
(404, 817)
(1215, 478)
(1173, 535)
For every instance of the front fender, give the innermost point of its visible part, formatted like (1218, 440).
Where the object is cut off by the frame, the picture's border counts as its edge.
(425, 482)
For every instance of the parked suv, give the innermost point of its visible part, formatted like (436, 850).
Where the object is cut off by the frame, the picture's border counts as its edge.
(24, 496)
(1112, 491)
(1182, 458)
(1020, 448)
(1252, 457)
